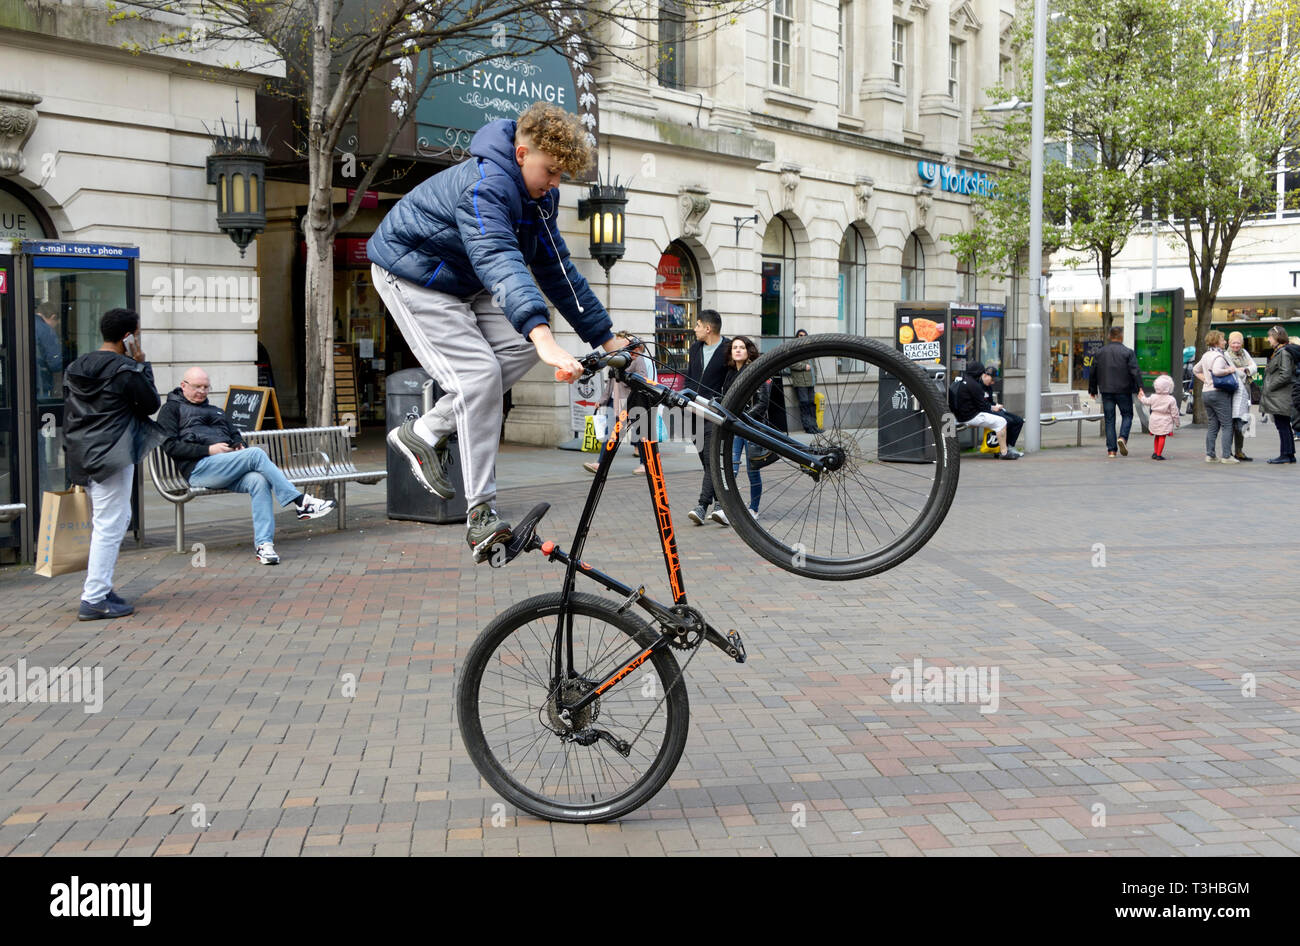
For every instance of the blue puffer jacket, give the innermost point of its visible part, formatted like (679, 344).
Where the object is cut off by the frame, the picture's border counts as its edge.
(473, 226)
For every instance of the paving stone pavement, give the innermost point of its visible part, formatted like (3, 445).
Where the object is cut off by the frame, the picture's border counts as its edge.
(1140, 618)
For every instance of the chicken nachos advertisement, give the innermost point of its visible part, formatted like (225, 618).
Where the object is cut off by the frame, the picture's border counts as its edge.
(919, 338)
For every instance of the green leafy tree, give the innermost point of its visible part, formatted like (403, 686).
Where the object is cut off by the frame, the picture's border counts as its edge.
(1235, 115)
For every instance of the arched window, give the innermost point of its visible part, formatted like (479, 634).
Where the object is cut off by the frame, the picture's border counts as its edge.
(779, 278)
(853, 283)
(912, 288)
(677, 297)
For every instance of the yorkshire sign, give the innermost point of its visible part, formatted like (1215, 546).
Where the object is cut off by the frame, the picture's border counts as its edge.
(955, 180)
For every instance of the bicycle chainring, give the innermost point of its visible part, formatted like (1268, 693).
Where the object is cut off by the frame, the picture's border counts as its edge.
(690, 634)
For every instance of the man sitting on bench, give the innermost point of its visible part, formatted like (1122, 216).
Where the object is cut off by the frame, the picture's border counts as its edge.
(210, 452)
(972, 404)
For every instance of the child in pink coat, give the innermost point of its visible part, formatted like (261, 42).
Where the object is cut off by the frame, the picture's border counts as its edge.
(1164, 413)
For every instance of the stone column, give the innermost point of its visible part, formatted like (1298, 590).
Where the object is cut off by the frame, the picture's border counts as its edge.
(939, 116)
(882, 100)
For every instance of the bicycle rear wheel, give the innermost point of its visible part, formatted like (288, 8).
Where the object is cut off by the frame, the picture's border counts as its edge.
(896, 449)
(509, 716)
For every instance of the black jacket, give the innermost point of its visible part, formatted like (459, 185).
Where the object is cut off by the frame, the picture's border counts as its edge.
(107, 402)
(758, 404)
(1114, 371)
(707, 379)
(969, 395)
(191, 428)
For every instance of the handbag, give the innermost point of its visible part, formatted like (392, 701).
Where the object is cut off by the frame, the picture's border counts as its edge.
(1225, 382)
(63, 542)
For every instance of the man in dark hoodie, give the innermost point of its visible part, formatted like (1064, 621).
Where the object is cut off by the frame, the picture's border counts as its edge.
(971, 405)
(455, 262)
(210, 452)
(108, 396)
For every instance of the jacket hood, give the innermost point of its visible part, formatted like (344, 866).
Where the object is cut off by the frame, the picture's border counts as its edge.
(90, 374)
(1164, 384)
(1293, 348)
(974, 370)
(495, 142)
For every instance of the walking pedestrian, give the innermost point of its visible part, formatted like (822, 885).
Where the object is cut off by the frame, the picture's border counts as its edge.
(1165, 414)
(743, 352)
(803, 381)
(1276, 399)
(108, 394)
(1213, 371)
(1115, 375)
(706, 369)
(1240, 358)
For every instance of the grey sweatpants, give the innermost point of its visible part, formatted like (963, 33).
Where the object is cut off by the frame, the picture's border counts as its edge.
(475, 354)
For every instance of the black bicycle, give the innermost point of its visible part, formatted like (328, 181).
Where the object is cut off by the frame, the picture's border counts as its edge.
(571, 705)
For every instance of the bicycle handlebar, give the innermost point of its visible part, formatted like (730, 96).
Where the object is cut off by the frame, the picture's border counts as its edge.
(596, 360)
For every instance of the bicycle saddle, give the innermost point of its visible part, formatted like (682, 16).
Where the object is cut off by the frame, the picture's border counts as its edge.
(523, 537)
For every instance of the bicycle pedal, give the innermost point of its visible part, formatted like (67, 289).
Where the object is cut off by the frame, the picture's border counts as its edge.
(523, 538)
(736, 644)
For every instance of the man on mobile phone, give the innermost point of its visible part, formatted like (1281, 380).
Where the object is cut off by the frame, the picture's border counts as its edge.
(108, 395)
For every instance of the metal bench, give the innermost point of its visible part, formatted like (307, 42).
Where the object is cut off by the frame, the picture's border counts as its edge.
(308, 456)
(10, 512)
(1065, 406)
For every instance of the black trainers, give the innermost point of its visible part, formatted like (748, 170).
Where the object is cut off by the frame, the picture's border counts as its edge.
(697, 515)
(484, 530)
(103, 610)
(429, 464)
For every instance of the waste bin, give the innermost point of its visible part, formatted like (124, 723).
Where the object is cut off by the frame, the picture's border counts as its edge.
(904, 431)
(407, 499)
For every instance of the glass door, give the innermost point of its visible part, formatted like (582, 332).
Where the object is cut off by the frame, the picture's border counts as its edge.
(68, 297)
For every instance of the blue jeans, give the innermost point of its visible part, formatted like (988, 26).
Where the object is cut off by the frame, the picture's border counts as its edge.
(755, 479)
(248, 471)
(1125, 404)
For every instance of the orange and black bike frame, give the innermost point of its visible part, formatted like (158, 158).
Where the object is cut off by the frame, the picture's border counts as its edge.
(646, 395)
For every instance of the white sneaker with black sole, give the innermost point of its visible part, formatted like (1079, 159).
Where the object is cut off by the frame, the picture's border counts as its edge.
(266, 554)
(719, 516)
(309, 507)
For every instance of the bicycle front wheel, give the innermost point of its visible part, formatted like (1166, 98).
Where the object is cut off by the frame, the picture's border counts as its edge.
(509, 705)
(895, 449)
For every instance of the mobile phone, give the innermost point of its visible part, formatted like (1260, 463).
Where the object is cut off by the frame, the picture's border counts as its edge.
(128, 342)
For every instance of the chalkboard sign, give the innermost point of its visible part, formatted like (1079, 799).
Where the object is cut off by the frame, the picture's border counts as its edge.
(246, 407)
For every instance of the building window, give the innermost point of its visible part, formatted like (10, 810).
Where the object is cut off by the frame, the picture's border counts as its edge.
(853, 283)
(1291, 183)
(954, 70)
(967, 281)
(912, 287)
(779, 275)
(672, 44)
(782, 48)
(897, 53)
(845, 40)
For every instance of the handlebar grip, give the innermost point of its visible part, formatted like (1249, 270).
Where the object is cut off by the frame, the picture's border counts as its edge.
(562, 375)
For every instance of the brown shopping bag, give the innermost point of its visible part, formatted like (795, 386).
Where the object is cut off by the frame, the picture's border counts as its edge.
(63, 543)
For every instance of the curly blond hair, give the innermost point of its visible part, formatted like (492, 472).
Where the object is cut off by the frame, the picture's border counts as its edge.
(551, 129)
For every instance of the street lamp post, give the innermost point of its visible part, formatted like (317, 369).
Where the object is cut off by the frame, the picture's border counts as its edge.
(1034, 331)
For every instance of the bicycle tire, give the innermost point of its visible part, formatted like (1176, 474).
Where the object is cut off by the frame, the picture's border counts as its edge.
(809, 549)
(491, 754)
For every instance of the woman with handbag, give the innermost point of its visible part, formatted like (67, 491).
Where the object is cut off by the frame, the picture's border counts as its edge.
(1240, 358)
(1276, 399)
(1218, 377)
(743, 352)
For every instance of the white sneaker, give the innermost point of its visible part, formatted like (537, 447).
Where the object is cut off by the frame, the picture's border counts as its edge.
(1229, 460)
(313, 508)
(719, 516)
(266, 554)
